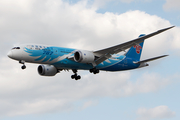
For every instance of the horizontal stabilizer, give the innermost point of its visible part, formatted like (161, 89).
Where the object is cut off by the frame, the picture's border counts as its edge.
(151, 59)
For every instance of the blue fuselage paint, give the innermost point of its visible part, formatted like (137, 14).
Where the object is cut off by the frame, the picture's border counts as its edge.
(60, 58)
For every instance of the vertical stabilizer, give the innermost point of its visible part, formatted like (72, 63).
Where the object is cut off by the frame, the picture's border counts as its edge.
(135, 51)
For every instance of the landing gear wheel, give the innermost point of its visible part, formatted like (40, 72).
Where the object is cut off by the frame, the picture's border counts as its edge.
(23, 67)
(73, 76)
(78, 77)
(94, 70)
(91, 70)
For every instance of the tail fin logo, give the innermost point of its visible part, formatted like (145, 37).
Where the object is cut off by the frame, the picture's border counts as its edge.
(138, 48)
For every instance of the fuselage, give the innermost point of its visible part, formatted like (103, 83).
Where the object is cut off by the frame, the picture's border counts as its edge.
(62, 58)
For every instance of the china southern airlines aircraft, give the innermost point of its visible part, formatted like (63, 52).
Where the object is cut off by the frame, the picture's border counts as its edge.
(55, 59)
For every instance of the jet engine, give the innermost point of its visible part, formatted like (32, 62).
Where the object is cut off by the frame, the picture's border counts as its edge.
(84, 56)
(47, 70)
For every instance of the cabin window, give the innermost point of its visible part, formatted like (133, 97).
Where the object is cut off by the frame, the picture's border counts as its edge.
(43, 47)
(35, 47)
(29, 46)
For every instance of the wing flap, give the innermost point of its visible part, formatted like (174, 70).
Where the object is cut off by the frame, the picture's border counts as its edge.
(102, 58)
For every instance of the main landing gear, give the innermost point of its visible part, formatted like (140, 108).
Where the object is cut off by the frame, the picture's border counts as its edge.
(22, 62)
(94, 70)
(75, 76)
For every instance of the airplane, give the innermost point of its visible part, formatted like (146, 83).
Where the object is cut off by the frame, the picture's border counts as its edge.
(55, 59)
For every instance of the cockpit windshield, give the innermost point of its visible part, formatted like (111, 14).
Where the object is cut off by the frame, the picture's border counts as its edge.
(15, 48)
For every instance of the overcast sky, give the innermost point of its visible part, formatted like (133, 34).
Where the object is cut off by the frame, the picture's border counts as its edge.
(150, 93)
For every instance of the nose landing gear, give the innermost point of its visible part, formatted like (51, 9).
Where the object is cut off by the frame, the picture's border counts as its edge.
(22, 62)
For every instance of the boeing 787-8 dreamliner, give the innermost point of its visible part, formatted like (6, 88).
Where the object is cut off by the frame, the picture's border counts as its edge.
(54, 59)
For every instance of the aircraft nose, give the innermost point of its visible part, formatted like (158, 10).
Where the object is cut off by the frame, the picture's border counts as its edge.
(10, 54)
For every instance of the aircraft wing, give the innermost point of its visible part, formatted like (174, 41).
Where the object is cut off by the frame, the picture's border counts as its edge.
(151, 59)
(106, 53)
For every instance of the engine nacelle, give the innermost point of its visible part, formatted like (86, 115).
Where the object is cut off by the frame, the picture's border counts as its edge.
(84, 56)
(47, 70)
